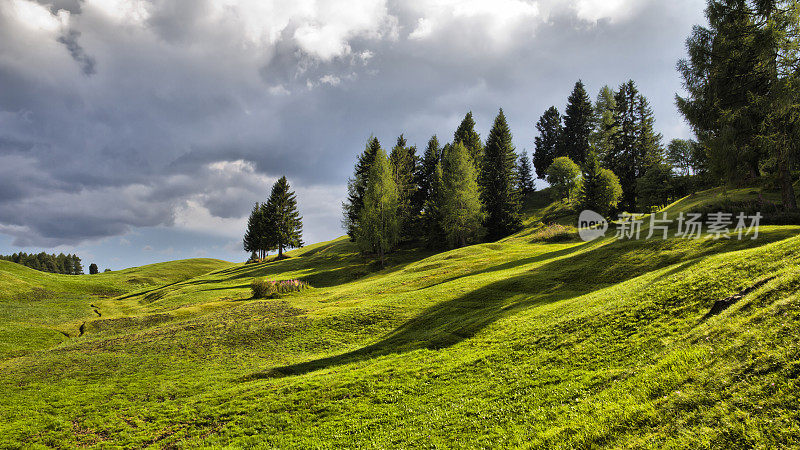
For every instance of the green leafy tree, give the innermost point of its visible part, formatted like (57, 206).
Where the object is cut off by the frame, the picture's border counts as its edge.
(283, 222)
(578, 125)
(459, 197)
(498, 181)
(656, 186)
(547, 142)
(356, 186)
(526, 185)
(93, 269)
(600, 190)
(467, 135)
(563, 176)
(404, 163)
(379, 229)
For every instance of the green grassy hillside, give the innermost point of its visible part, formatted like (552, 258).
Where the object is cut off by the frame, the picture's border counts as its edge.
(519, 343)
(39, 310)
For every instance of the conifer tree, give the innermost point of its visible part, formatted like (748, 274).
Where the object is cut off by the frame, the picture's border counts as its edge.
(498, 181)
(578, 125)
(635, 145)
(379, 227)
(467, 135)
(426, 172)
(460, 203)
(547, 142)
(404, 163)
(253, 235)
(435, 236)
(601, 138)
(283, 221)
(526, 185)
(356, 186)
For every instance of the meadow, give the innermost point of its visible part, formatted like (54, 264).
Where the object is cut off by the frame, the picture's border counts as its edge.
(539, 340)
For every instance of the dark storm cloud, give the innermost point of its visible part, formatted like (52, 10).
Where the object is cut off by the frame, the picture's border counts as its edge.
(193, 108)
(86, 62)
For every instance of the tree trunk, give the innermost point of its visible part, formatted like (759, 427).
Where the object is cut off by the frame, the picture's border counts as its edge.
(280, 251)
(380, 254)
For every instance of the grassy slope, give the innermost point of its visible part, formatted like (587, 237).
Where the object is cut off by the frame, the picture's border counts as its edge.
(515, 343)
(39, 310)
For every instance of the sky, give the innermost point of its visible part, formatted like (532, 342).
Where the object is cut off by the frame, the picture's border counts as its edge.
(137, 131)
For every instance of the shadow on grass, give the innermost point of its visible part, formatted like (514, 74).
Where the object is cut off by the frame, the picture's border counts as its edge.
(450, 322)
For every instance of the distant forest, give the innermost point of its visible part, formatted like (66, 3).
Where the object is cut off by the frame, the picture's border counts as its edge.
(61, 263)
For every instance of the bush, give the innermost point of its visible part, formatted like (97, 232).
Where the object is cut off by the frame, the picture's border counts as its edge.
(270, 289)
(555, 233)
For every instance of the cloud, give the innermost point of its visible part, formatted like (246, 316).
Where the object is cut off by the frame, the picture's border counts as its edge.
(70, 40)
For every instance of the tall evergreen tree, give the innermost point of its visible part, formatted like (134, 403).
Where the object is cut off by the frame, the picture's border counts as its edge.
(547, 142)
(498, 181)
(526, 185)
(460, 202)
(285, 225)
(404, 163)
(254, 234)
(578, 125)
(635, 145)
(601, 138)
(379, 229)
(426, 173)
(356, 186)
(467, 135)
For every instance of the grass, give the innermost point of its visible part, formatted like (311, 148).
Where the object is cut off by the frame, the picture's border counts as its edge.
(524, 342)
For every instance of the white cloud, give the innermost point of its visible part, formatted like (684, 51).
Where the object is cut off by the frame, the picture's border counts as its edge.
(614, 10)
(423, 29)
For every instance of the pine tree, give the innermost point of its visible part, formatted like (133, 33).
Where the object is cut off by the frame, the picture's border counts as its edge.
(547, 143)
(433, 222)
(459, 200)
(356, 187)
(467, 135)
(285, 226)
(498, 181)
(602, 136)
(426, 172)
(578, 125)
(379, 227)
(404, 163)
(253, 235)
(635, 145)
(526, 185)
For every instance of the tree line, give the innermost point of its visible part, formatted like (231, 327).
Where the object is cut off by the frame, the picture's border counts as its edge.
(462, 192)
(275, 224)
(742, 77)
(61, 263)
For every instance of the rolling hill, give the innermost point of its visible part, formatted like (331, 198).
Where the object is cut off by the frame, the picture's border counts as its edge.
(535, 341)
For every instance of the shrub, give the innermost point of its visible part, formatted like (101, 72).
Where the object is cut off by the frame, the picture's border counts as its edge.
(270, 289)
(554, 233)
